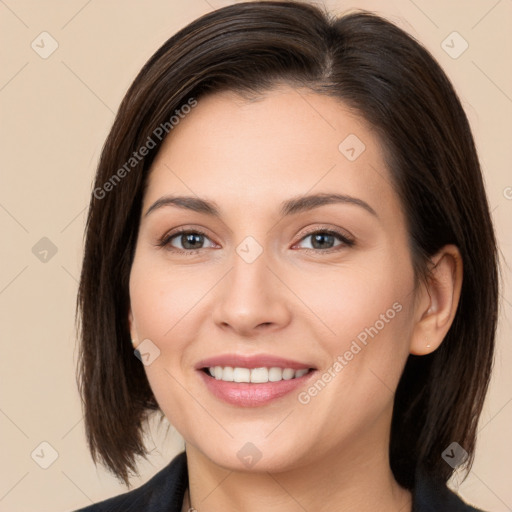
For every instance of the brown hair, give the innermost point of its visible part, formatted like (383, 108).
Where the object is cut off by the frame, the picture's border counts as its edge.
(396, 85)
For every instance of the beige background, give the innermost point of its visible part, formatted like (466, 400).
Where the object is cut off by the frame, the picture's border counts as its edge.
(55, 115)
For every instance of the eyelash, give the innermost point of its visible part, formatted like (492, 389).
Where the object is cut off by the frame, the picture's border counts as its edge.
(164, 242)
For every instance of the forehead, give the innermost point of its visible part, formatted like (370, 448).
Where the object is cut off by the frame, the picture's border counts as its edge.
(287, 142)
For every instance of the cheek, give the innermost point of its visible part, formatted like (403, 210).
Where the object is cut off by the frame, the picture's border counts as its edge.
(355, 301)
(160, 298)
(365, 317)
(162, 304)
(364, 358)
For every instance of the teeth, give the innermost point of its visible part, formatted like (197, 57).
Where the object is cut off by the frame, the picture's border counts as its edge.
(259, 375)
(289, 373)
(255, 375)
(226, 374)
(239, 374)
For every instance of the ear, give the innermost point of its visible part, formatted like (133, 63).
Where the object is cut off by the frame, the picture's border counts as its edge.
(437, 301)
(131, 325)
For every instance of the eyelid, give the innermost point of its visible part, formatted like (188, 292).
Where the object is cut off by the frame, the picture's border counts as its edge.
(164, 241)
(346, 239)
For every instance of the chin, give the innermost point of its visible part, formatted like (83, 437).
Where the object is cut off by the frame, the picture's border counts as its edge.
(253, 457)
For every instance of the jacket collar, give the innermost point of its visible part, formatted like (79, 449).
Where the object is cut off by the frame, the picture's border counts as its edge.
(429, 494)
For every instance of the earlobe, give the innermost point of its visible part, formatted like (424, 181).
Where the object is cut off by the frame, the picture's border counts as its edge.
(131, 325)
(441, 294)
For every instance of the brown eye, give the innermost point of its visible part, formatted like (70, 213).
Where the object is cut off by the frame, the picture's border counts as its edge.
(189, 241)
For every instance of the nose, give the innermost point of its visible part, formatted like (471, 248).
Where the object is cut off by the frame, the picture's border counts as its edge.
(252, 299)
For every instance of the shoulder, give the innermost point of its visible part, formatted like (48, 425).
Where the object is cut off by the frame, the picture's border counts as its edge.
(432, 495)
(163, 492)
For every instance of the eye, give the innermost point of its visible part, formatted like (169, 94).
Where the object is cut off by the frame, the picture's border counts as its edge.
(323, 240)
(190, 241)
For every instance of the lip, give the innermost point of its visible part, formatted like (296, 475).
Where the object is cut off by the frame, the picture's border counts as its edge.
(254, 361)
(249, 394)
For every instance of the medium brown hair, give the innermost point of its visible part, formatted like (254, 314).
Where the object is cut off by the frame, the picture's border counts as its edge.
(386, 76)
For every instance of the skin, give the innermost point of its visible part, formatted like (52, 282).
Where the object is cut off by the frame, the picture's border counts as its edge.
(248, 157)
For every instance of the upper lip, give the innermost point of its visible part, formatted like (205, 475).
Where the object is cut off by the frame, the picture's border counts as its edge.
(254, 361)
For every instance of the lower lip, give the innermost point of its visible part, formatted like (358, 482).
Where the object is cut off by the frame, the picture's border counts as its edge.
(246, 394)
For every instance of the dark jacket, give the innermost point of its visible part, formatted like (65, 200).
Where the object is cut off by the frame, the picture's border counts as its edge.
(164, 493)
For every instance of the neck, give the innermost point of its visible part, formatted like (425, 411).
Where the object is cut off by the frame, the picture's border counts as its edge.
(356, 476)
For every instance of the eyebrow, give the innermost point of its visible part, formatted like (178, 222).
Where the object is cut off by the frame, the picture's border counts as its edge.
(289, 207)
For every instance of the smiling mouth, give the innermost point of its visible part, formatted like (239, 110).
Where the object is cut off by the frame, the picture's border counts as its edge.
(260, 375)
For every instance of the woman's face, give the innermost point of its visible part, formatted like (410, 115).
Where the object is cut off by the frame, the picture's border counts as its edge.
(274, 281)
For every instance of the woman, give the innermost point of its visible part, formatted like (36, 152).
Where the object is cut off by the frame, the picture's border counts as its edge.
(289, 224)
